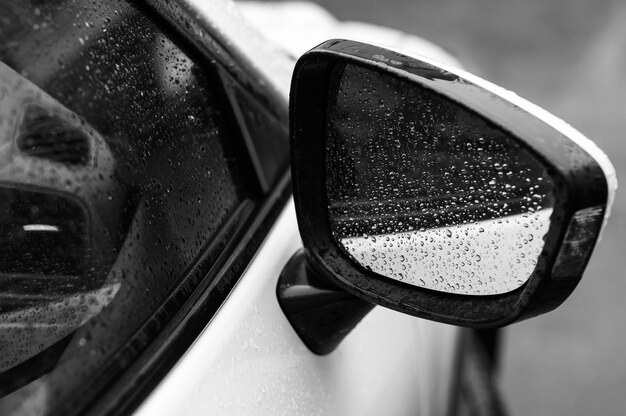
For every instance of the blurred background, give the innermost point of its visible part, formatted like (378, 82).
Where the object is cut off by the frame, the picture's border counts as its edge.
(570, 58)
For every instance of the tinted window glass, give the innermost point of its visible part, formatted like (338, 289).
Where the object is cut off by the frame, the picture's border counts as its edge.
(42, 233)
(118, 174)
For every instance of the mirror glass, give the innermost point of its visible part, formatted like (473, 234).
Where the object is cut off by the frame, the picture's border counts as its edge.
(423, 191)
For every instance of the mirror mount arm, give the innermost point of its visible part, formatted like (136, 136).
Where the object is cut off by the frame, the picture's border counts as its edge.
(321, 313)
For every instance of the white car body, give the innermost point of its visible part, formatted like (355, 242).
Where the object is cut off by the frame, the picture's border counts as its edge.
(249, 360)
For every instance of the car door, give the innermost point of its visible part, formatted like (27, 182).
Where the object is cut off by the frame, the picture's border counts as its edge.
(144, 151)
(250, 361)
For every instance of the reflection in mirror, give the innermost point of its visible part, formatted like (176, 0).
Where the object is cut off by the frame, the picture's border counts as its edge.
(425, 192)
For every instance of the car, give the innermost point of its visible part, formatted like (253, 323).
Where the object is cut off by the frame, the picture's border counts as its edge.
(193, 222)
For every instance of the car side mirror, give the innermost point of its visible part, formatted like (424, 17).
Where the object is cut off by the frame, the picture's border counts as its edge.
(427, 190)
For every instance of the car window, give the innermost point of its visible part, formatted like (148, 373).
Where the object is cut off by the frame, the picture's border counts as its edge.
(124, 180)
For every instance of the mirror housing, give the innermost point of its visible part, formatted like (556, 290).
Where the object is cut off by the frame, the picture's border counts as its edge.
(582, 176)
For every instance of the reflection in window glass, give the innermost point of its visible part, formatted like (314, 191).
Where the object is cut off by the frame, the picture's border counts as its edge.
(117, 171)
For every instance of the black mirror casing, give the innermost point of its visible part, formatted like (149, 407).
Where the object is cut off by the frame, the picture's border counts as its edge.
(581, 191)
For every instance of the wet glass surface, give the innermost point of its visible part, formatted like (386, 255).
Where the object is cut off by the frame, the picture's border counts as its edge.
(425, 192)
(118, 170)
